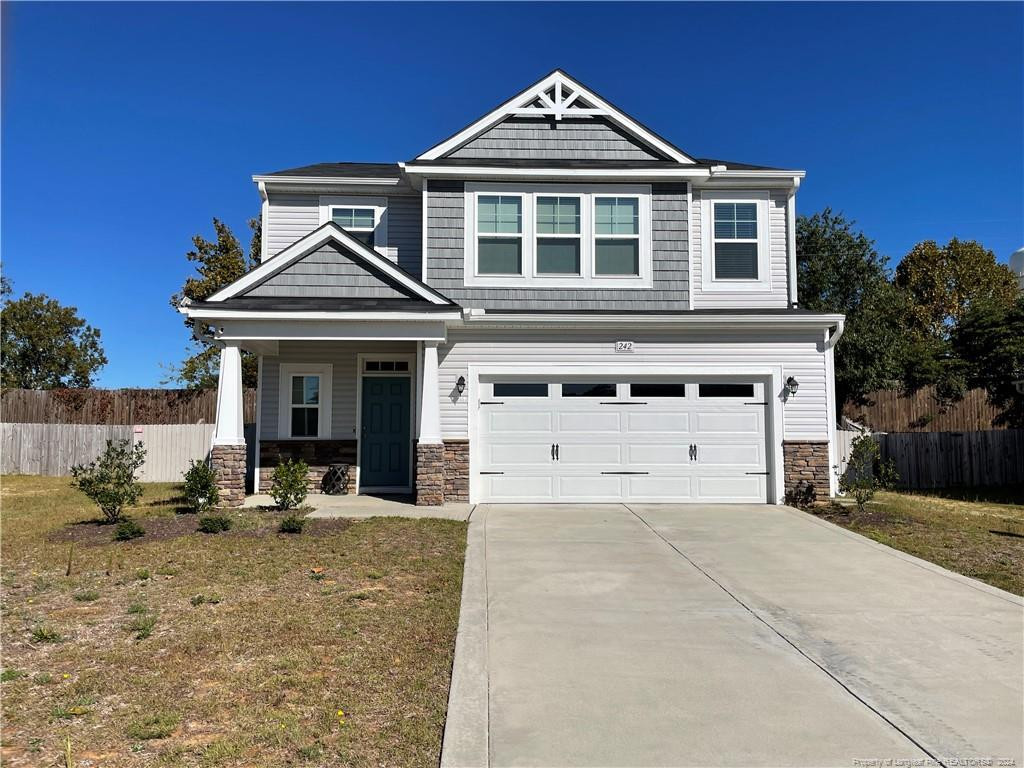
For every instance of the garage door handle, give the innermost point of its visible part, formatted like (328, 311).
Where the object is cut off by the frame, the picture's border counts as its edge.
(492, 402)
(625, 473)
(556, 451)
(552, 451)
(757, 473)
(693, 451)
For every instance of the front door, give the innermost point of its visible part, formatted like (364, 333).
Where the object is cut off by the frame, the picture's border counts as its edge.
(385, 437)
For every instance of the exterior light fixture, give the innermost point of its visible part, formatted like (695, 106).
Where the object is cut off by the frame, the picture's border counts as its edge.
(792, 385)
(1019, 385)
(460, 385)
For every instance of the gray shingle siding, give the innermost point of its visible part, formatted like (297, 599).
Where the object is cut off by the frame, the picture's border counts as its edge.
(540, 139)
(669, 254)
(405, 231)
(330, 273)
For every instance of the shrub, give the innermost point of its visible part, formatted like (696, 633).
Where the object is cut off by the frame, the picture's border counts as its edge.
(198, 600)
(289, 484)
(11, 674)
(110, 480)
(214, 523)
(292, 524)
(127, 530)
(866, 473)
(158, 725)
(142, 625)
(201, 491)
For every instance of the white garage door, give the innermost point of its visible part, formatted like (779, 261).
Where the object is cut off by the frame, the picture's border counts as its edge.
(644, 441)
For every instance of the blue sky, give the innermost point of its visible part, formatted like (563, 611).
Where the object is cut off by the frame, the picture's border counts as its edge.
(127, 127)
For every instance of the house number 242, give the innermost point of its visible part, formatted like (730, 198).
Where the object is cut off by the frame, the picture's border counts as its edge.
(623, 346)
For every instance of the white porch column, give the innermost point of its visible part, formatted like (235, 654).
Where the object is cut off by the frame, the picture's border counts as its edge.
(429, 432)
(230, 429)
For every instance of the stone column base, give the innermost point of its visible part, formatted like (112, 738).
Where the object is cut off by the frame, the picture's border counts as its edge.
(806, 470)
(228, 461)
(456, 471)
(429, 474)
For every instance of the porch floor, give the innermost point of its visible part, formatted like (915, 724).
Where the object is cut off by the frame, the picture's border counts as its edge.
(352, 505)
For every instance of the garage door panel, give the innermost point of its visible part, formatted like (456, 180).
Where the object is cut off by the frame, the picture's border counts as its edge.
(658, 455)
(590, 487)
(589, 454)
(659, 487)
(731, 487)
(638, 420)
(747, 422)
(590, 422)
(517, 454)
(510, 422)
(731, 454)
(518, 487)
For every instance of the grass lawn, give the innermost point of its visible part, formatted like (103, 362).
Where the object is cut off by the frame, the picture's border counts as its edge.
(229, 649)
(977, 534)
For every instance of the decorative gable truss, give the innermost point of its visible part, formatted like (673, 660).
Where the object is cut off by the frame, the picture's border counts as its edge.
(344, 265)
(558, 97)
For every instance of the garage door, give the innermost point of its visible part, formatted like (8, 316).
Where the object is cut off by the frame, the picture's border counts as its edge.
(644, 441)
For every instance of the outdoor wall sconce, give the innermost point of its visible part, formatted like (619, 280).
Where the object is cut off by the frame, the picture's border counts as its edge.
(792, 385)
(460, 385)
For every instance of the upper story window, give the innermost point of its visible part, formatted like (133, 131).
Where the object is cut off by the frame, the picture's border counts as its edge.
(558, 235)
(735, 243)
(358, 222)
(365, 218)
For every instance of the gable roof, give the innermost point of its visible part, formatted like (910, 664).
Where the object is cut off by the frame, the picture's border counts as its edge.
(558, 95)
(331, 233)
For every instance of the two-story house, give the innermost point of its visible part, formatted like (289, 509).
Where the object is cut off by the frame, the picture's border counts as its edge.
(554, 304)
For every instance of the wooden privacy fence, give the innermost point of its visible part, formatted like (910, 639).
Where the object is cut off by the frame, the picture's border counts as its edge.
(116, 406)
(52, 449)
(947, 459)
(889, 411)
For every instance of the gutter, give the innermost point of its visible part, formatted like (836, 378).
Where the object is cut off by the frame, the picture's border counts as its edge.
(382, 181)
(837, 334)
(479, 317)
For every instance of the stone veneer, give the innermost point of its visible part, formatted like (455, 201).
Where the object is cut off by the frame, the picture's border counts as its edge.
(806, 463)
(228, 461)
(429, 474)
(318, 454)
(456, 471)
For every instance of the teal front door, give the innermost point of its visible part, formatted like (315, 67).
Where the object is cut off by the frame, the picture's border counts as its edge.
(384, 439)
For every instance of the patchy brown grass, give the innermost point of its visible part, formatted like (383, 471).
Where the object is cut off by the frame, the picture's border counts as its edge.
(972, 535)
(233, 649)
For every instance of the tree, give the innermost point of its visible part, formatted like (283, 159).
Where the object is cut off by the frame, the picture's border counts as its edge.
(110, 480)
(45, 345)
(989, 339)
(839, 270)
(942, 283)
(219, 263)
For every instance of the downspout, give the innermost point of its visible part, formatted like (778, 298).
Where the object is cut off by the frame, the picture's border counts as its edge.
(264, 213)
(791, 242)
(833, 338)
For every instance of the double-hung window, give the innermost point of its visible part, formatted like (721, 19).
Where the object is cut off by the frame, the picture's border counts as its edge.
(363, 217)
(358, 222)
(499, 235)
(304, 407)
(735, 241)
(558, 235)
(617, 236)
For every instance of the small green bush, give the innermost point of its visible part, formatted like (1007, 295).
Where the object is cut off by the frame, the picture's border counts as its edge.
(292, 524)
(158, 725)
(214, 523)
(866, 473)
(110, 480)
(201, 491)
(87, 596)
(198, 600)
(142, 625)
(42, 678)
(289, 484)
(127, 530)
(44, 634)
(138, 608)
(11, 674)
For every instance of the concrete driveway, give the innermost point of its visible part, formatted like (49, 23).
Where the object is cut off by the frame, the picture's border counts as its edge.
(665, 635)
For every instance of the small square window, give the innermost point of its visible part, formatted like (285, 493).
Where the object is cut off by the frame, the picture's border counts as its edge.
(657, 389)
(587, 389)
(520, 389)
(726, 390)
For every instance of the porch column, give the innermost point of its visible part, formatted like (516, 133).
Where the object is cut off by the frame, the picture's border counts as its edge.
(429, 447)
(227, 457)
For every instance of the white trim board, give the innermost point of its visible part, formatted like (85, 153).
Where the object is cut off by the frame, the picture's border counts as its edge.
(328, 233)
(561, 106)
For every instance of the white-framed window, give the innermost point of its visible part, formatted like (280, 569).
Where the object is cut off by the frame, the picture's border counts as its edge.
(558, 235)
(735, 243)
(365, 218)
(305, 401)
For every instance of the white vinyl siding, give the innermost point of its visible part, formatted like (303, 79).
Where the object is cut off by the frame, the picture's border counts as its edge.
(776, 291)
(805, 416)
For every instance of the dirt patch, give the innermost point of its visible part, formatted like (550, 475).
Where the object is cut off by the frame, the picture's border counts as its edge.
(94, 533)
